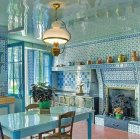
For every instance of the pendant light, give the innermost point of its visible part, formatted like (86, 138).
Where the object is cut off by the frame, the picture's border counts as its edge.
(57, 34)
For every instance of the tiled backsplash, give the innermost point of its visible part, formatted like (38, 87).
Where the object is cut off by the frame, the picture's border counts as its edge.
(69, 80)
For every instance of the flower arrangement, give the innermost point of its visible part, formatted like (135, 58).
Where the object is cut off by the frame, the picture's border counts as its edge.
(41, 92)
(118, 110)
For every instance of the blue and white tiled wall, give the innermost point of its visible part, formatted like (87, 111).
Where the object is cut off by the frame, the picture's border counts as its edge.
(113, 46)
(92, 50)
(102, 48)
(3, 62)
(69, 80)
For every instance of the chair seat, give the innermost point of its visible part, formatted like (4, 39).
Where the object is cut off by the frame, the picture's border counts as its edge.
(56, 136)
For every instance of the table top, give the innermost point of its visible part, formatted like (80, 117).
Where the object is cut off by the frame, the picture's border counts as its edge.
(18, 121)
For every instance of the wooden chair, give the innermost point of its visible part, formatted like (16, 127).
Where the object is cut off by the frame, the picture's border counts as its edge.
(67, 134)
(35, 106)
(31, 106)
(1, 132)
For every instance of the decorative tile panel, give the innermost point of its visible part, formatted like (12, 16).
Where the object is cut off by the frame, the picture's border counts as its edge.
(30, 67)
(134, 127)
(120, 75)
(99, 120)
(101, 94)
(69, 80)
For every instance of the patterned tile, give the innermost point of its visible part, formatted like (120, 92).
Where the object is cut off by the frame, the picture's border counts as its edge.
(3, 62)
(117, 75)
(69, 80)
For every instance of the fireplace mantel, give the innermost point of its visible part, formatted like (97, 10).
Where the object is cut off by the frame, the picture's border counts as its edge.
(120, 76)
(98, 66)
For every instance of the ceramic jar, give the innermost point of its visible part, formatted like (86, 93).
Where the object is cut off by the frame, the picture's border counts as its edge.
(121, 58)
(89, 62)
(109, 59)
(99, 61)
(134, 56)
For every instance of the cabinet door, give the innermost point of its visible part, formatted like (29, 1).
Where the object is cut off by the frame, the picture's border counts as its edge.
(79, 102)
(88, 103)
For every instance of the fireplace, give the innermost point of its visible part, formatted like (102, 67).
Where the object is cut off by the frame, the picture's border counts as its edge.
(121, 98)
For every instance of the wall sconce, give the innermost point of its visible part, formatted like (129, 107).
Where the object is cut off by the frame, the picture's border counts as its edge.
(58, 34)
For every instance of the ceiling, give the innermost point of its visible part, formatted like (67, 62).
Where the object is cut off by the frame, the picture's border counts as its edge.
(92, 19)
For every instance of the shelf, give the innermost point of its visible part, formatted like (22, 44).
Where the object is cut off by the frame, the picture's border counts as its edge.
(97, 66)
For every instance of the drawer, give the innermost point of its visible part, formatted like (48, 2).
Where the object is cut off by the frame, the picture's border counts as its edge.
(115, 123)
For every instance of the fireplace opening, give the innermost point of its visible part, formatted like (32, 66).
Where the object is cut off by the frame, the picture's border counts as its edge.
(122, 100)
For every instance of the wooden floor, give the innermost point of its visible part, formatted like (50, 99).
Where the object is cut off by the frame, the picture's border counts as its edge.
(100, 132)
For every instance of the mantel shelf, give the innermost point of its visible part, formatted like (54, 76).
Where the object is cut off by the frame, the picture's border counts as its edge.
(97, 66)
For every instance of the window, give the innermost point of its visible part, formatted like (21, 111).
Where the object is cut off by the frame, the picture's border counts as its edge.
(38, 67)
(15, 69)
(46, 68)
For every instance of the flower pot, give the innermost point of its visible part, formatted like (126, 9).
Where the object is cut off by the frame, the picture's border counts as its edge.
(119, 116)
(45, 104)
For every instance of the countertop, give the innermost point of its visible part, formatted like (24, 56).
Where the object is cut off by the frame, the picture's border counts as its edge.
(72, 94)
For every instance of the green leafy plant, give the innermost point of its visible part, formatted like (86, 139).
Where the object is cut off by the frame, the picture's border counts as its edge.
(41, 92)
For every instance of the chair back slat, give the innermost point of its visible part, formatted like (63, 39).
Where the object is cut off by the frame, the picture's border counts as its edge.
(69, 126)
(1, 132)
(31, 106)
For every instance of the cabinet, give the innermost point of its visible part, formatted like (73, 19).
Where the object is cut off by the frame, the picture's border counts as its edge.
(74, 100)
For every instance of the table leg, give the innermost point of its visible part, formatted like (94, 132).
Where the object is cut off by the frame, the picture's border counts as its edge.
(89, 123)
(16, 135)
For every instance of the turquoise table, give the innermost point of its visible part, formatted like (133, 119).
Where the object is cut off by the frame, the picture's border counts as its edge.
(23, 124)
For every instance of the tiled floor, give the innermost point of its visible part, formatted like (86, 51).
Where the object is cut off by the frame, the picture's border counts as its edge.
(100, 132)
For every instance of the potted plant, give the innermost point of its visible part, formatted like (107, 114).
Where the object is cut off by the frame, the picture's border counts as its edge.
(42, 94)
(118, 112)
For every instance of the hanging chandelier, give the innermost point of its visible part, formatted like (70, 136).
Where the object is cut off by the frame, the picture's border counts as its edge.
(57, 34)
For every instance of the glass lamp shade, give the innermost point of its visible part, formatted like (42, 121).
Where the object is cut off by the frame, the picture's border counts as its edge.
(56, 34)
